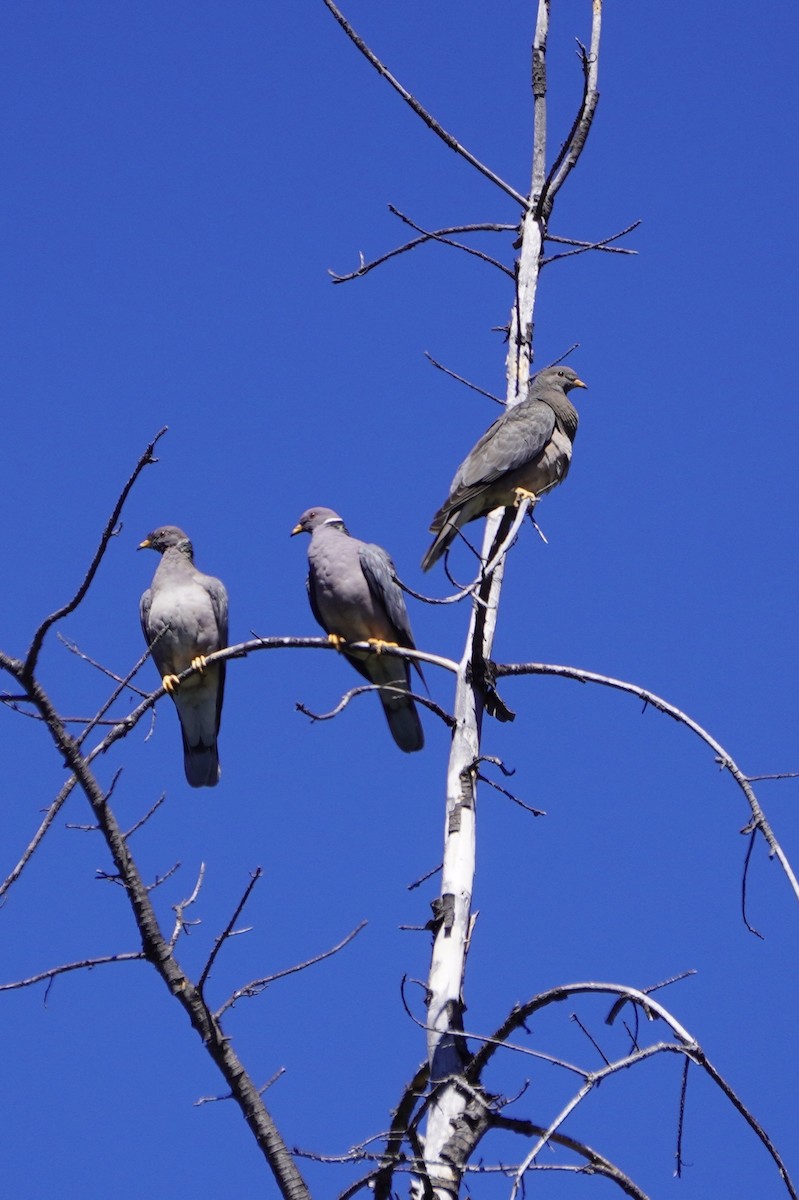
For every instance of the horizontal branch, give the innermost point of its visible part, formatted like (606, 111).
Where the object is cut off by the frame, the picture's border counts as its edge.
(86, 964)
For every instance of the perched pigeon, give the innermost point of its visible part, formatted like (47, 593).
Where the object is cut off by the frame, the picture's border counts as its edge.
(527, 451)
(355, 598)
(189, 612)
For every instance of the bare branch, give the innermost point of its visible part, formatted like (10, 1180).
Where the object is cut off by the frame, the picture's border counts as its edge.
(256, 986)
(110, 531)
(647, 991)
(723, 758)
(228, 930)
(181, 924)
(425, 236)
(681, 1118)
(598, 1163)
(572, 148)
(744, 880)
(459, 378)
(143, 820)
(157, 882)
(698, 1056)
(429, 235)
(605, 244)
(76, 650)
(86, 964)
(123, 726)
(429, 120)
(157, 950)
(425, 701)
(30, 849)
(584, 247)
(121, 686)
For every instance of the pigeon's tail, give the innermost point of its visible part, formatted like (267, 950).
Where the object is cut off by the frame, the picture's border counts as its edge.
(201, 764)
(403, 721)
(441, 543)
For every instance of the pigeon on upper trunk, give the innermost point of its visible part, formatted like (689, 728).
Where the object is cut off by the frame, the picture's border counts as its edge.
(525, 453)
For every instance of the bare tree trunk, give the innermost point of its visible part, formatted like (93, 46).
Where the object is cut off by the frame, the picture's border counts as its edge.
(445, 1147)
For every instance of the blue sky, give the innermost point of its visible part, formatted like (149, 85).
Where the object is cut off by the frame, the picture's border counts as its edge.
(178, 180)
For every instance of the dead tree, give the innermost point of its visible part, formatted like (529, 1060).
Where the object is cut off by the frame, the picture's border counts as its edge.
(446, 1111)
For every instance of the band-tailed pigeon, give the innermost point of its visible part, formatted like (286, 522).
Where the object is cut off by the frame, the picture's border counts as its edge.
(189, 612)
(355, 598)
(527, 451)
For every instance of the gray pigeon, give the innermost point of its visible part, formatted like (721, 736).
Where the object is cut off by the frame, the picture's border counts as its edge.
(355, 598)
(189, 612)
(526, 452)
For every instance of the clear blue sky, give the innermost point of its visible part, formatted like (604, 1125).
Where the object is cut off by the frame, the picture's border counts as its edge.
(177, 181)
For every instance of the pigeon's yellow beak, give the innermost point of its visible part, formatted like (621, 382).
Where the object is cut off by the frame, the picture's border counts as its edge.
(578, 383)
(145, 545)
(297, 529)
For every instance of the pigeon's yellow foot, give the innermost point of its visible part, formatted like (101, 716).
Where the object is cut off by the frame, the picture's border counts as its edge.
(199, 662)
(523, 494)
(378, 645)
(336, 641)
(171, 683)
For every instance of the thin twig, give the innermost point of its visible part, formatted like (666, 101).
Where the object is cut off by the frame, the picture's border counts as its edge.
(86, 964)
(429, 120)
(430, 235)
(425, 701)
(434, 235)
(584, 247)
(459, 378)
(220, 940)
(110, 530)
(723, 758)
(181, 924)
(76, 650)
(603, 244)
(143, 820)
(256, 986)
(681, 1118)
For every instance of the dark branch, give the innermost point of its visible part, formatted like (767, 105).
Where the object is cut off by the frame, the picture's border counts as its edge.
(86, 964)
(432, 236)
(110, 531)
(228, 930)
(256, 986)
(584, 247)
(459, 378)
(725, 760)
(375, 687)
(429, 120)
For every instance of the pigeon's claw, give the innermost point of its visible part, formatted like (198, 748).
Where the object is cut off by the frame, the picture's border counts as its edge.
(379, 645)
